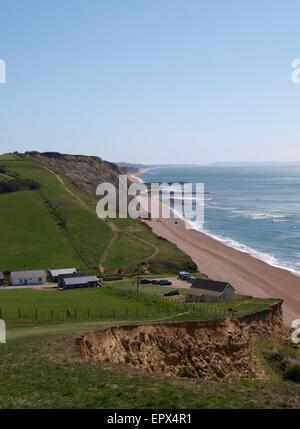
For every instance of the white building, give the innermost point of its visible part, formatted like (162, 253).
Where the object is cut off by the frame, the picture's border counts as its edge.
(18, 278)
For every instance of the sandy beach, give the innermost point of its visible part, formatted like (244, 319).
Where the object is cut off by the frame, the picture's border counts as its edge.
(132, 176)
(248, 275)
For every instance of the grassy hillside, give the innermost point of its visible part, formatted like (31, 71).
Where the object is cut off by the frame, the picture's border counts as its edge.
(7, 157)
(47, 370)
(56, 226)
(20, 307)
(29, 236)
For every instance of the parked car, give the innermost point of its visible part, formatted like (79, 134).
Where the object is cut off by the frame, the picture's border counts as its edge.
(192, 279)
(184, 276)
(172, 293)
(165, 283)
(145, 281)
(155, 282)
(183, 273)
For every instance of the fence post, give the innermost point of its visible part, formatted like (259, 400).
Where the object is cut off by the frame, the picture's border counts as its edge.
(36, 314)
(88, 313)
(126, 314)
(19, 313)
(0, 313)
(75, 313)
(51, 314)
(114, 314)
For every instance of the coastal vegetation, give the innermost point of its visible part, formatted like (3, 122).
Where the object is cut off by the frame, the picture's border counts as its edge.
(47, 370)
(55, 225)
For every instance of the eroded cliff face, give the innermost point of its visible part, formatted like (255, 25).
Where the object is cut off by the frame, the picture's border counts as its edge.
(202, 349)
(85, 172)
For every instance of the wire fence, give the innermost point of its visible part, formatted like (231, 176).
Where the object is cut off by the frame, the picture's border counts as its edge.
(39, 314)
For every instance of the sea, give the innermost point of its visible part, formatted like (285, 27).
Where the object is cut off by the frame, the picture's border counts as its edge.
(252, 208)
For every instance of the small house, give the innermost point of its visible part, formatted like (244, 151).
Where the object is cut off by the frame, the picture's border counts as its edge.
(79, 282)
(209, 291)
(1, 279)
(33, 277)
(61, 277)
(53, 274)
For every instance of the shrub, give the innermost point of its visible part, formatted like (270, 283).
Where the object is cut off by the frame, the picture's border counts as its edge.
(293, 372)
(18, 185)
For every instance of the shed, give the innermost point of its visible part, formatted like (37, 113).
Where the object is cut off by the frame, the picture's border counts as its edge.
(55, 273)
(209, 291)
(1, 278)
(61, 277)
(79, 282)
(33, 277)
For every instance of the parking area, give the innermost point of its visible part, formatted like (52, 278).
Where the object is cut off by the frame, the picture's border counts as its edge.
(178, 284)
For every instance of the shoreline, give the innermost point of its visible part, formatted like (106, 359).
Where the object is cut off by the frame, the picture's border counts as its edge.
(132, 176)
(248, 274)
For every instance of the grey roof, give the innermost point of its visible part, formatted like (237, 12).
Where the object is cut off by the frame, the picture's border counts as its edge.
(17, 275)
(199, 292)
(80, 280)
(209, 285)
(1, 276)
(55, 273)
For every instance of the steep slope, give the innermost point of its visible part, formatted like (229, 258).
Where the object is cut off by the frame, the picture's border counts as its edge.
(78, 238)
(86, 172)
(220, 348)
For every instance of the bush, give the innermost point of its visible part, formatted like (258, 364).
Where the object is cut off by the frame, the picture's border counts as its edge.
(293, 372)
(15, 185)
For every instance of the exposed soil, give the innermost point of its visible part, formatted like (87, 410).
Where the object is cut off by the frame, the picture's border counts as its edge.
(221, 348)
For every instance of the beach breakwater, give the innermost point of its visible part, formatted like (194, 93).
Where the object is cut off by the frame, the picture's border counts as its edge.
(203, 349)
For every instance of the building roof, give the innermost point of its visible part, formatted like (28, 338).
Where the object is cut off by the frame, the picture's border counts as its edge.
(199, 292)
(209, 285)
(79, 280)
(17, 275)
(55, 273)
(1, 276)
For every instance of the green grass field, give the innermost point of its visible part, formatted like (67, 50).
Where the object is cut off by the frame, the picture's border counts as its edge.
(30, 237)
(45, 371)
(149, 289)
(19, 306)
(27, 307)
(41, 367)
(7, 157)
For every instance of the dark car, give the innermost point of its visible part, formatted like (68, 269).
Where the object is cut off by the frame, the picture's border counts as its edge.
(145, 281)
(155, 282)
(165, 283)
(172, 293)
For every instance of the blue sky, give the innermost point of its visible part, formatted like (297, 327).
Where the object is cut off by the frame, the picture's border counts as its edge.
(153, 81)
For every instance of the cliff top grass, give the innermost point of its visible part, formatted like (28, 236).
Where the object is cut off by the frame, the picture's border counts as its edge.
(27, 307)
(56, 226)
(47, 371)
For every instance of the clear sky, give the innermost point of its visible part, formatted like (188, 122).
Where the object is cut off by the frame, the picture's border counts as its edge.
(153, 81)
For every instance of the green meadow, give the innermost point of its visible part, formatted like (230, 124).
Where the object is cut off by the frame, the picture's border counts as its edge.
(21, 307)
(41, 366)
(29, 236)
(32, 235)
